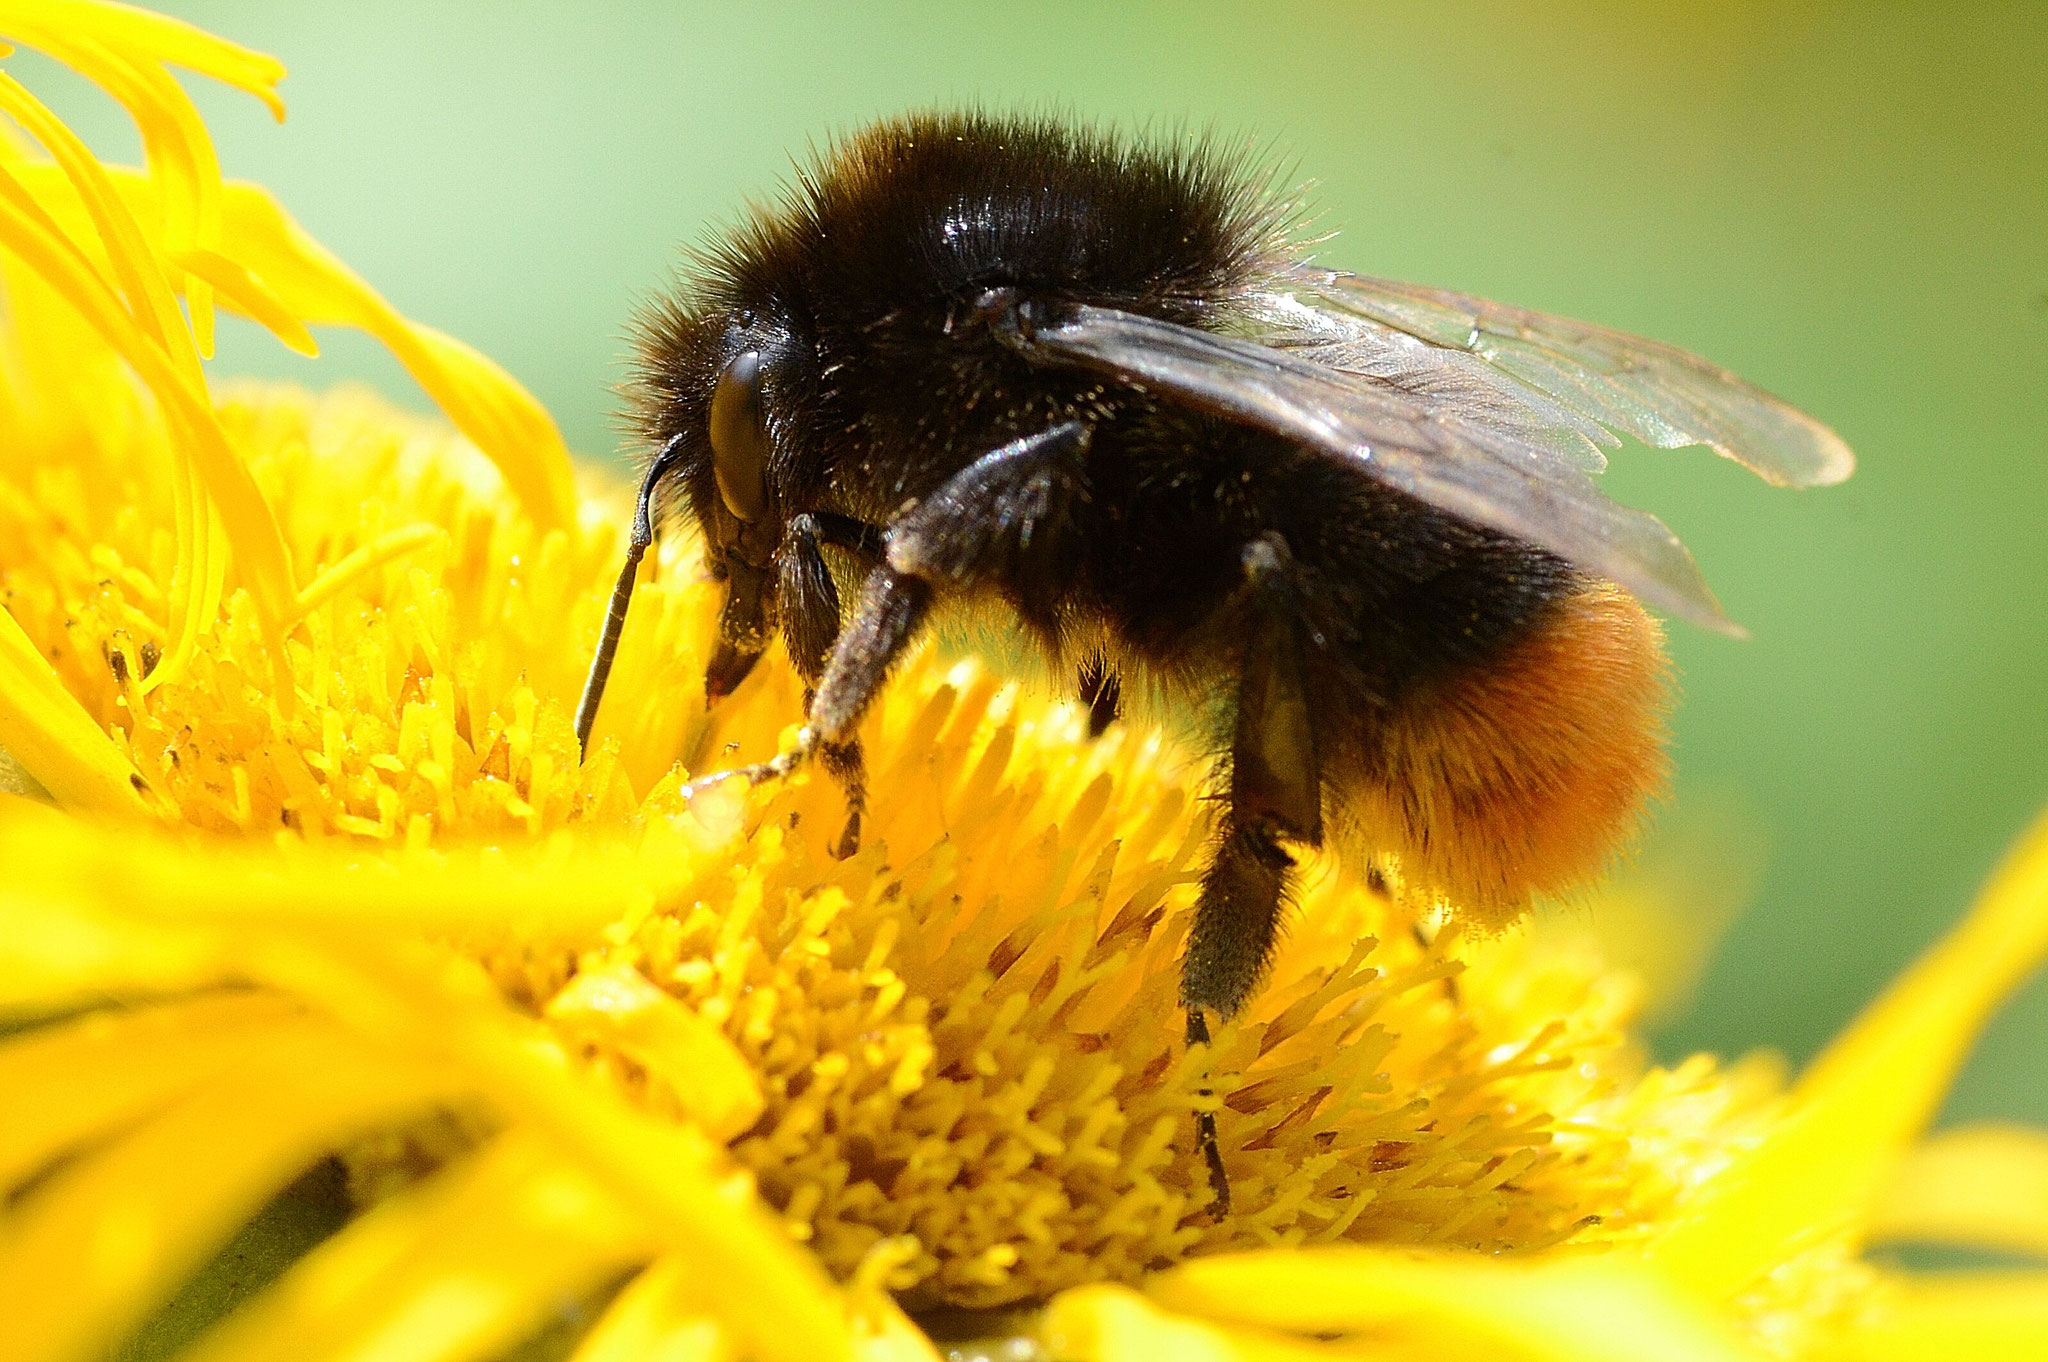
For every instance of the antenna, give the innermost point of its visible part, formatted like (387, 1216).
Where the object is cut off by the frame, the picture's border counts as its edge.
(622, 594)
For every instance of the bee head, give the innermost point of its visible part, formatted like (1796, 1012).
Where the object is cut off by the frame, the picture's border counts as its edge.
(739, 510)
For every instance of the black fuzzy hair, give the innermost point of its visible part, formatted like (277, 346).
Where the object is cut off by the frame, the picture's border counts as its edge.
(917, 209)
(1163, 224)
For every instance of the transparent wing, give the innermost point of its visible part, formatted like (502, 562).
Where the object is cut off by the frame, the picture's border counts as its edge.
(1451, 438)
(1569, 378)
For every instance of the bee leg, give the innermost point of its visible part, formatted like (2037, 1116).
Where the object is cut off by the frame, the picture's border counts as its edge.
(730, 664)
(1102, 691)
(892, 607)
(856, 537)
(1006, 519)
(1275, 793)
(809, 601)
(1011, 519)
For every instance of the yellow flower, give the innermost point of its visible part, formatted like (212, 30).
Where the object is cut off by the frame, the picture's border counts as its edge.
(323, 873)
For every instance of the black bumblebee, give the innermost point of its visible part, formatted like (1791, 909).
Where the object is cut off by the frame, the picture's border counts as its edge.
(1349, 523)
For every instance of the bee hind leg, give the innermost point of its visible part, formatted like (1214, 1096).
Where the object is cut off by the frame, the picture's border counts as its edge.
(1275, 793)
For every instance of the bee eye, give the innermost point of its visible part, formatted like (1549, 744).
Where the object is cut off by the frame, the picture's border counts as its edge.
(739, 438)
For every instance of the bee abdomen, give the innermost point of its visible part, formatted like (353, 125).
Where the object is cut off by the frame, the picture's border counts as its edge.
(1523, 773)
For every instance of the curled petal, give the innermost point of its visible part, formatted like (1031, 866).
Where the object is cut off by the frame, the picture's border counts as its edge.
(1858, 1108)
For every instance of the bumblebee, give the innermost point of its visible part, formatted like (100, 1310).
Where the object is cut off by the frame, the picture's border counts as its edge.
(1091, 382)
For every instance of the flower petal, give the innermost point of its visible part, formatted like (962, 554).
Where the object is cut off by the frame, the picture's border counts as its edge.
(1981, 1186)
(1453, 1306)
(1983, 1317)
(1116, 1324)
(102, 1071)
(464, 1265)
(244, 514)
(291, 273)
(93, 1249)
(486, 403)
(708, 1077)
(57, 957)
(53, 737)
(1859, 1106)
(125, 50)
(250, 296)
(146, 33)
(661, 1316)
(791, 1311)
(124, 255)
(386, 548)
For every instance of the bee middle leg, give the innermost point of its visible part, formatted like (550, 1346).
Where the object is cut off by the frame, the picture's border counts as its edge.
(1275, 793)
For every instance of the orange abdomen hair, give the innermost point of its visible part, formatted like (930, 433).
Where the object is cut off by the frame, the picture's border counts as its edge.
(1525, 774)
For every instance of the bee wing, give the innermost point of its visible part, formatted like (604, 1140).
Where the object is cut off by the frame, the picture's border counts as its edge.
(1568, 375)
(1428, 440)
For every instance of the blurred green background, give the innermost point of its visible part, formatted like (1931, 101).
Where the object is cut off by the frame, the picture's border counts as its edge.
(1846, 203)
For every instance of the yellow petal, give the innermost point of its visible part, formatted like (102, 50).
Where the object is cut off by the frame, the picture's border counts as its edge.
(1857, 1109)
(95, 1074)
(124, 50)
(485, 403)
(53, 737)
(1455, 1306)
(145, 33)
(135, 265)
(414, 1000)
(1116, 1324)
(558, 892)
(885, 1334)
(386, 548)
(1982, 1186)
(56, 957)
(1967, 1317)
(706, 1075)
(291, 273)
(245, 515)
(465, 1265)
(250, 296)
(91, 1251)
(662, 1316)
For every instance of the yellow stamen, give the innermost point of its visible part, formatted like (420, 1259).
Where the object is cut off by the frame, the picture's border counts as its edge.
(366, 558)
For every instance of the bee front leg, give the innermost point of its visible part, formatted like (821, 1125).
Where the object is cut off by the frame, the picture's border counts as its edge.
(1275, 794)
(1009, 520)
(810, 622)
(893, 606)
(1006, 520)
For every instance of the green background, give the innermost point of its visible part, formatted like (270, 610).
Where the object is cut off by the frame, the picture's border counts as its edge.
(1846, 203)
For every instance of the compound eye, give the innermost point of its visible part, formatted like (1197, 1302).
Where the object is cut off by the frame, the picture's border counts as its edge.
(739, 438)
